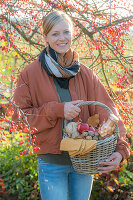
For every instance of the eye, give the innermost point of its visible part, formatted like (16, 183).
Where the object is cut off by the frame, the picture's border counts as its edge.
(67, 32)
(55, 34)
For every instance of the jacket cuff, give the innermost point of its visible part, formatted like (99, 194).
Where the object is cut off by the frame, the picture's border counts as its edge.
(58, 109)
(124, 155)
(123, 148)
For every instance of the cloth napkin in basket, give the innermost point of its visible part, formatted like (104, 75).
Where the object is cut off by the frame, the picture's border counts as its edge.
(77, 146)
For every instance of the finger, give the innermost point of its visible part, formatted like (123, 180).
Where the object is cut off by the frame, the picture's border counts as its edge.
(113, 163)
(106, 169)
(71, 115)
(74, 114)
(71, 108)
(73, 111)
(77, 109)
(111, 158)
(107, 163)
(69, 118)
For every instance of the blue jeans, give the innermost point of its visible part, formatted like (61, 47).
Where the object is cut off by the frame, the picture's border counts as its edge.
(61, 182)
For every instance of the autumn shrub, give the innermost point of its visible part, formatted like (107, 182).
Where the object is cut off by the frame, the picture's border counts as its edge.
(21, 182)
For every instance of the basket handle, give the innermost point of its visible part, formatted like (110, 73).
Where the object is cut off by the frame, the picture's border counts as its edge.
(95, 103)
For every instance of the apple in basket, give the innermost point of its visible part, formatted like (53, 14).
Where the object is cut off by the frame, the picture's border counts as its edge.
(82, 127)
(79, 130)
(87, 132)
(75, 129)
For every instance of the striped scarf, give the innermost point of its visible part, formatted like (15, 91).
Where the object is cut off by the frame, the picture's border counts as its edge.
(63, 68)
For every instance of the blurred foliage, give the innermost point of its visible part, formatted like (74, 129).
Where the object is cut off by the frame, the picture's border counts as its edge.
(22, 181)
(117, 185)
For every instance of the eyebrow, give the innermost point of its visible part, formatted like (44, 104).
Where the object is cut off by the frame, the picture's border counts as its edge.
(59, 31)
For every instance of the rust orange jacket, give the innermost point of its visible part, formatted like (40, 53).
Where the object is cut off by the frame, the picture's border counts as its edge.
(36, 95)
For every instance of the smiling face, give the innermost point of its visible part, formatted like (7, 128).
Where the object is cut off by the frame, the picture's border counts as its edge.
(60, 37)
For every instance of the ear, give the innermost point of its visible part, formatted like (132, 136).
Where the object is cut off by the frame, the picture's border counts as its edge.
(45, 38)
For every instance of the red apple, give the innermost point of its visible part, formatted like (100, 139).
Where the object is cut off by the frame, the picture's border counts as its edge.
(82, 127)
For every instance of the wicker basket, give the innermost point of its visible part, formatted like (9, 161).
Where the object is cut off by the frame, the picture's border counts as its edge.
(89, 163)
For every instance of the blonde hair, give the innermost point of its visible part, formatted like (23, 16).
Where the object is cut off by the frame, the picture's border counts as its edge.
(52, 19)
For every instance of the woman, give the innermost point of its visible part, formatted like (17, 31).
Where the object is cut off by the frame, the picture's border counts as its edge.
(51, 87)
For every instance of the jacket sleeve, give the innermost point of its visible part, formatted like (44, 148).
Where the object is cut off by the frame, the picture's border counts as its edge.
(41, 118)
(102, 96)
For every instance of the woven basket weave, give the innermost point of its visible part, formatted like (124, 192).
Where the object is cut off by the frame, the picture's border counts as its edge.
(89, 163)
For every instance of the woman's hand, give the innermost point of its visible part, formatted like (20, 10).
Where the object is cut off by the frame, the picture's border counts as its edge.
(111, 163)
(70, 110)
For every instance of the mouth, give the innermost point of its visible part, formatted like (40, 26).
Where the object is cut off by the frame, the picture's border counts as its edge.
(61, 44)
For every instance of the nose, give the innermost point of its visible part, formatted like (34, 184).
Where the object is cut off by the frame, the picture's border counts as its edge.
(62, 37)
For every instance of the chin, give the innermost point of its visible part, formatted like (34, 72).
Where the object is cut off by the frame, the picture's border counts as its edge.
(62, 51)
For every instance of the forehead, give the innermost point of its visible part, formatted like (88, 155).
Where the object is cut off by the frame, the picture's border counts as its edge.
(61, 25)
